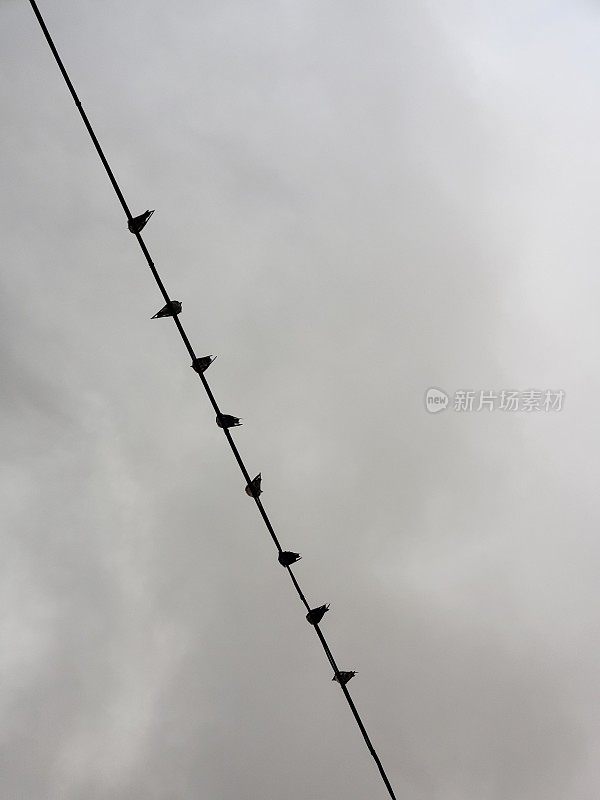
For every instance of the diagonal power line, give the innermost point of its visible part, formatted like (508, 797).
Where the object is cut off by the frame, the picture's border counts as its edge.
(338, 675)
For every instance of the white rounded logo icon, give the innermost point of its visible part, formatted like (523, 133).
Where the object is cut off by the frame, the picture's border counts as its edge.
(435, 400)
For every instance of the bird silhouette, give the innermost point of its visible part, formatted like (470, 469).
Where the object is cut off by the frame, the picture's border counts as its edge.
(136, 224)
(227, 421)
(315, 615)
(202, 363)
(253, 489)
(343, 677)
(172, 309)
(286, 558)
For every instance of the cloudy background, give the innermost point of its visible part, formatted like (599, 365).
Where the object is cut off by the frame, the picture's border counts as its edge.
(354, 202)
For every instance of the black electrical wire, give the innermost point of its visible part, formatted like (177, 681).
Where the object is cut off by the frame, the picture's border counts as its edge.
(211, 397)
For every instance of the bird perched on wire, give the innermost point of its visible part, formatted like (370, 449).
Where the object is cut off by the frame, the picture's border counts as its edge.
(227, 421)
(286, 558)
(136, 224)
(172, 309)
(344, 677)
(315, 615)
(253, 489)
(202, 363)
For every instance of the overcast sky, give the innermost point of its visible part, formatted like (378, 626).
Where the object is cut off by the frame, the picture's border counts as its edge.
(355, 202)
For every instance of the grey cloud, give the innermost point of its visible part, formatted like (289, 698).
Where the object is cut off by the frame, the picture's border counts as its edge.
(353, 204)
